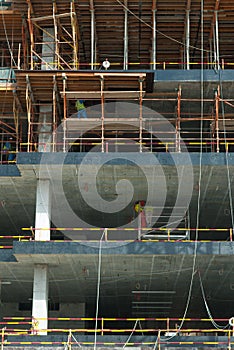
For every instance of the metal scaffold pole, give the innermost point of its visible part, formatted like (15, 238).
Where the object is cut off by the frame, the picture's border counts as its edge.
(92, 33)
(56, 39)
(141, 79)
(178, 111)
(30, 26)
(103, 113)
(187, 38)
(125, 35)
(29, 112)
(64, 111)
(54, 114)
(154, 38)
(217, 38)
(75, 35)
(217, 98)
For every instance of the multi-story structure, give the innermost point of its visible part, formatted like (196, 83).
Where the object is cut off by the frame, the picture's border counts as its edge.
(117, 228)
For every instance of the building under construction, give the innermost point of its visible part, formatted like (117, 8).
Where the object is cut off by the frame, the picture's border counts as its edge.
(116, 174)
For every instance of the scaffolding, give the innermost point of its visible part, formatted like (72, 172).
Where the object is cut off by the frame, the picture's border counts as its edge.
(149, 122)
(70, 37)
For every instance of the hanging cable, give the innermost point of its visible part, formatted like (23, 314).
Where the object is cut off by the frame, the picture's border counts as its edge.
(156, 341)
(226, 151)
(76, 340)
(134, 328)
(199, 184)
(98, 288)
(207, 307)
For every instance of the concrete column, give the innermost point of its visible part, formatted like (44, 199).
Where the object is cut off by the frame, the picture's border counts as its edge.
(43, 210)
(40, 299)
(48, 49)
(45, 128)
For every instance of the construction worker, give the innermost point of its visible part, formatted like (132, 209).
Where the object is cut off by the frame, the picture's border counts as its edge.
(7, 153)
(106, 64)
(139, 207)
(81, 111)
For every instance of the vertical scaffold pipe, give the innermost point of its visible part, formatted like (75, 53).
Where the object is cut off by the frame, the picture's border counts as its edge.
(154, 39)
(217, 38)
(125, 36)
(141, 112)
(187, 39)
(92, 33)
(103, 113)
(217, 93)
(64, 111)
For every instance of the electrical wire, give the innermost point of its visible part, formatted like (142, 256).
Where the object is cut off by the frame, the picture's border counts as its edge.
(98, 289)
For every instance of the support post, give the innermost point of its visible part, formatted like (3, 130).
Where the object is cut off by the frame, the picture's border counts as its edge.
(56, 63)
(92, 44)
(178, 146)
(102, 333)
(24, 45)
(217, 97)
(54, 114)
(125, 35)
(187, 39)
(139, 226)
(211, 55)
(40, 300)
(30, 26)
(29, 110)
(159, 339)
(16, 106)
(3, 338)
(75, 35)
(103, 113)
(64, 111)
(19, 55)
(154, 38)
(141, 79)
(215, 50)
(217, 38)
